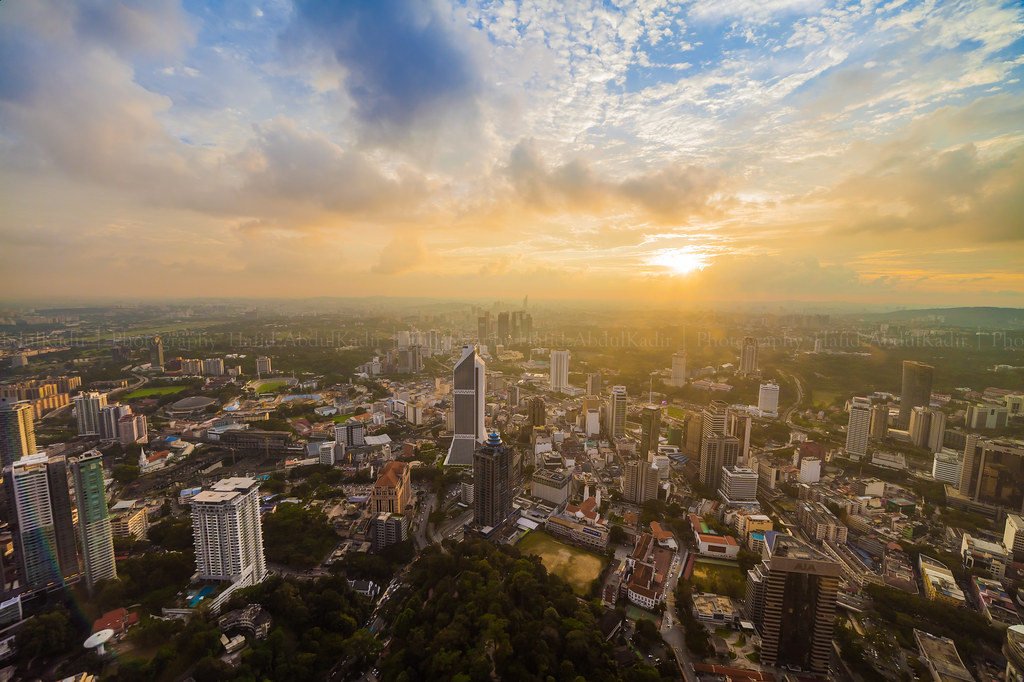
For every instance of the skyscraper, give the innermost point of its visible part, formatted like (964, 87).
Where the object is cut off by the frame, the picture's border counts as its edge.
(468, 394)
(87, 412)
(492, 482)
(678, 368)
(504, 330)
(993, 473)
(228, 533)
(768, 400)
(594, 383)
(617, 411)
(739, 485)
(858, 427)
(156, 352)
(110, 415)
(640, 481)
(94, 531)
(917, 389)
(40, 513)
(717, 451)
(791, 597)
(17, 432)
(715, 419)
(879, 421)
(748, 356)
(483, 327)
(650, 430)
(559, 370)
(536, 411)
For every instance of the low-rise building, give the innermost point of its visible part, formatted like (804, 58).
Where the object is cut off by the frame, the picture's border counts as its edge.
(991, 557)
(939, 583)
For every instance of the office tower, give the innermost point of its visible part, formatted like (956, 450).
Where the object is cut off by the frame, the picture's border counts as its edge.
(1013, 534)
(110, 415)
(228, 534)
(492, 482)
(468, 384)
(917, 389)
(937, 430)
(879, 421)
(94, 531)
(389, 529)
(513, 396)
(40, 511)
(263, 365)
(594, 383)
(483, 327)
(640, 481)
(768, 399)
(350, 434)
(791, 597)
(920, 426)
(392, 492)
(17, 432)
(715, 419)
(559, 370)
(748, 357)
(858, 427)
(617, 412)
(650, 430)
(678, 368)
(213, 366)
(156, 352)
(536, 411)
(993, 473)
(87, 412)
(739, 485)
(741, 426)
(503, 328)
(946, 467)
(717, 451)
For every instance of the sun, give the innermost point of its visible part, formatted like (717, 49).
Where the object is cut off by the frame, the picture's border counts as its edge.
(680, 261)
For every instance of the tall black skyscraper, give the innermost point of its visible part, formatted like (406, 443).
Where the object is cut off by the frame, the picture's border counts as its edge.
(917, 389)
(492, 482)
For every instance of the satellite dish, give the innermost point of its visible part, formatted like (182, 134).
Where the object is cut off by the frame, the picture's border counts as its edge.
(97, 640)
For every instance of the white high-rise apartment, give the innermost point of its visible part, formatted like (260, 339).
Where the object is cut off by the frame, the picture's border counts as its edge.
(87, 412)
(228, 533)
(768, 399)
(678, 368)
(559, 370)
(738, 486)
(946, 467)
(469, 381)
(617, 411)
(748, 356)
(858, 427)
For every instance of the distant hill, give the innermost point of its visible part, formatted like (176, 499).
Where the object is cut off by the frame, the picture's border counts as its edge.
(961, 317)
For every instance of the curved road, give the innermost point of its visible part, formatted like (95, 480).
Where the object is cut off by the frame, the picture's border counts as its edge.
(788, 414)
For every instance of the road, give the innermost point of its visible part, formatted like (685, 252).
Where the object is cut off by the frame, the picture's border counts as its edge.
(671, 631)
(788, 414)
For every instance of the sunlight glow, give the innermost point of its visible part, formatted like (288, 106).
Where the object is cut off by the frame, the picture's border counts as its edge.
(681, 261)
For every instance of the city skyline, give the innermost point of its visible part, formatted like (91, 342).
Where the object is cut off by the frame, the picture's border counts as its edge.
(719, 151)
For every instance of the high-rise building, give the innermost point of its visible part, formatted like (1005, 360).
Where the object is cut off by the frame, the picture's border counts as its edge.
(917, 389)
(263, 365)
(1013, 534)
(17, 432)
(483, 326)
(132, 428)
(87, 412)
(594, 383)
(717, 451)
(94, 530)
(536, 411)
(389, 529)
(468, 398)
(879, 421)
(993, 473)
(213, 366)
(715, 419)
(678, 368)
(748, 357)
(920, 426)
(559, 370)
(110, 415)
(156, 352)
(350, 434)
(492, 483)
(946, 466)
(42, 527)
(791, 598)
(768, 399)
(739, 485)
(640, 481)
(617, 412)
(504, 330)
(392, 492)
(858, 427)
(650, 430)
(228, 533)
(937, 430)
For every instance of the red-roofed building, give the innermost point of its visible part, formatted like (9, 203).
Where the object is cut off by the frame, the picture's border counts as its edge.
(118, 620)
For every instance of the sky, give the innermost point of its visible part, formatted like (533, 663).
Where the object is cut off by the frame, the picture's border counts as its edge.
(701, 151)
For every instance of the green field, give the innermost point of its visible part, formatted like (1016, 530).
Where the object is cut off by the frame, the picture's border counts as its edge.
(676, 412)
(575, 565)
(157, 390)
(718, 577)
(339, 418)
(272, 386)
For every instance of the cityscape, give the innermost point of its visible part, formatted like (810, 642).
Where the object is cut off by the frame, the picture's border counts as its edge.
(471, 341)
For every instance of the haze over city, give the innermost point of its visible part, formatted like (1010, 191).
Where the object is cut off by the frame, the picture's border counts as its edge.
(716, 151)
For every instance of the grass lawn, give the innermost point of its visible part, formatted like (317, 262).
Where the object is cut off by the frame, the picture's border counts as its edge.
(676, 412)
(575, 565)
(339, 418)
(157, 390)
(718, 578)
(272, 386)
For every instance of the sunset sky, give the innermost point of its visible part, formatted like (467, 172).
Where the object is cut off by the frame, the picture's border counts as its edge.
(715, 150)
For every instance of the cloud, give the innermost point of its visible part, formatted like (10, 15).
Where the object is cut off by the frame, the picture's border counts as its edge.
(403, 253)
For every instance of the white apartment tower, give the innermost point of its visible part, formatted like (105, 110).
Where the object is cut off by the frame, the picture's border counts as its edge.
(678, 368)
(858, 427)
(87, 412)
(228, 532)
(617, 412)
(469, 381)
(768, 400)
(559, 370)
